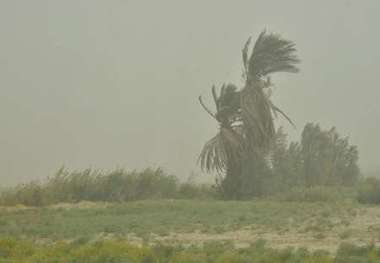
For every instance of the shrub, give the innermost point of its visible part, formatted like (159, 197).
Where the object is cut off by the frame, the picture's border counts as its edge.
(190, 190)
(31, 194)
(369, 191)
(351, 253)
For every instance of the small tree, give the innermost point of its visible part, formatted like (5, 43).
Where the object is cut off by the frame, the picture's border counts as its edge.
(327, 158)
(322, 157)
(285, 161)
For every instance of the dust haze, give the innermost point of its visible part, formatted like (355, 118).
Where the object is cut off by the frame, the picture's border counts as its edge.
(109, 84)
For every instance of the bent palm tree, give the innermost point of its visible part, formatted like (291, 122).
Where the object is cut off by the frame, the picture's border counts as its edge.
(246, 116)
(270, 54)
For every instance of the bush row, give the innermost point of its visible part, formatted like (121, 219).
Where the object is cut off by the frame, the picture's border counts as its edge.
(92, 185)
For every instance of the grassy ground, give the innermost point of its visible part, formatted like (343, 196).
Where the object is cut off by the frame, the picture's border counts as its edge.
(281, 224)
(120, 251)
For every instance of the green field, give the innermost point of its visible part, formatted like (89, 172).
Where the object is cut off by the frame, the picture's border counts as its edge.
(195, 223)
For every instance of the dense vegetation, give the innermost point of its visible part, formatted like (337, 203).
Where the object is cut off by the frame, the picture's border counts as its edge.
(322, 158)
(119, 251)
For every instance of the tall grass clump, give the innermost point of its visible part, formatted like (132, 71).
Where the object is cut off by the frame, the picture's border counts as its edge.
(93, 185)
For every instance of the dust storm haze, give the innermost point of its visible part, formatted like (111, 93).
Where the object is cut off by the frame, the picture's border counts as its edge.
(108, 84)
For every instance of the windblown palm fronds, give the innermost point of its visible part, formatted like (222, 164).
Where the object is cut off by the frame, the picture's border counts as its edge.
(222, 151)
(227, 147)
(270, 54)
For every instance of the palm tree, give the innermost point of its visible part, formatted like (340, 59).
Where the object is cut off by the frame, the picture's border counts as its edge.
(270, 54)
(246, 116)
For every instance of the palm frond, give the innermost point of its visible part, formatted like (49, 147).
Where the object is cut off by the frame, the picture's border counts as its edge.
(205, 107)
(276, 109)
(271, 54)
(222, 151)
(245, 56)
(215, 97)
(229, 100)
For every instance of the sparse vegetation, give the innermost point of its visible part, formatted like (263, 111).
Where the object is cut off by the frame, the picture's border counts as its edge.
(176, 222)
(119, 251)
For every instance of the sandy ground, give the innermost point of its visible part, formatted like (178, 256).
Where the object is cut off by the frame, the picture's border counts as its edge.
(362, 229)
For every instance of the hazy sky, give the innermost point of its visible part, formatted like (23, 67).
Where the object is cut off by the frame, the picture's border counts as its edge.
(114, 83)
